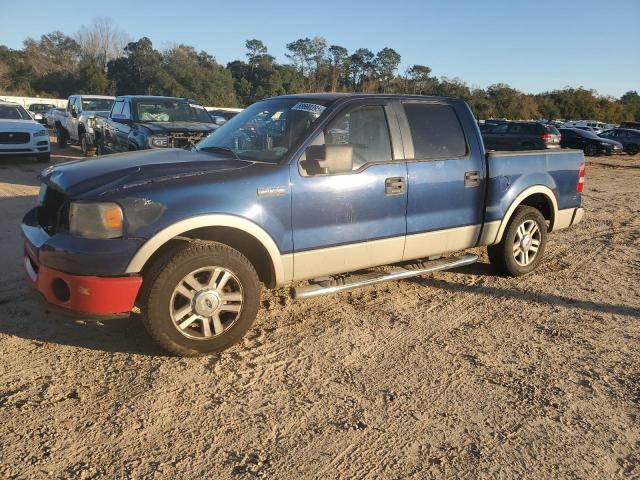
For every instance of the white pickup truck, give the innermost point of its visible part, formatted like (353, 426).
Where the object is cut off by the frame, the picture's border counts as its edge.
(77, 122)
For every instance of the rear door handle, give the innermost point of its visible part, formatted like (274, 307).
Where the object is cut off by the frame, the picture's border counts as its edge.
(394, 185)
(471, 179)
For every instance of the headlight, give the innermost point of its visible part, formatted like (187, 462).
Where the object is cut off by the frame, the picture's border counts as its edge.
(158, 141)
(91, 122)
(95, 220)
(40, 133)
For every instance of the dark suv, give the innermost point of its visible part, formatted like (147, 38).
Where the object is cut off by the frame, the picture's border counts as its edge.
(628, 137)
(521, 136)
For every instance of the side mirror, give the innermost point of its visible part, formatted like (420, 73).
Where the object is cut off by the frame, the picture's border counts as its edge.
(121, 119)
(326, 159)
(74, 111)
(219, 120)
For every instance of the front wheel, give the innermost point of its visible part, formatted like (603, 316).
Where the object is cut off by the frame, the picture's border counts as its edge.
(633, 149)
(201, 299)
(61, 136)
(84, 145)
(99, 147)
(522, 246)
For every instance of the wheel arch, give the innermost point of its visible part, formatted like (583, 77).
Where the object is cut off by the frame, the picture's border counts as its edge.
(537, 196)
(273, 268)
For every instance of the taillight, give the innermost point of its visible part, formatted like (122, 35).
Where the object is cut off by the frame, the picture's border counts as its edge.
(547, 137)
(580, 184)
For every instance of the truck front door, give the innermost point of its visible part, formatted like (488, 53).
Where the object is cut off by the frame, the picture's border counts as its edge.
(349, 195)
(446, 177)
(122, 128)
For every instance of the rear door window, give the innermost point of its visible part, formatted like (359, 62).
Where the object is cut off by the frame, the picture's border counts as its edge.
(435, 130)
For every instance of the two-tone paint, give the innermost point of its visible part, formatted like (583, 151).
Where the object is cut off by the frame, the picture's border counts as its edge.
(310, 226)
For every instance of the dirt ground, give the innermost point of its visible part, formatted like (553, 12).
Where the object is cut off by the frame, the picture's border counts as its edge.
(461, 374)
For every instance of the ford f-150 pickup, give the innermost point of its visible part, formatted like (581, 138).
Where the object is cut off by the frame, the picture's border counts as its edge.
(315, 189)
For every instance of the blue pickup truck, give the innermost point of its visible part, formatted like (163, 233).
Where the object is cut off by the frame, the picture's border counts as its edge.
(315, 189)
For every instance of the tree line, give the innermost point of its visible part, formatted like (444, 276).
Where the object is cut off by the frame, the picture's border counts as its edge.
(101, 59)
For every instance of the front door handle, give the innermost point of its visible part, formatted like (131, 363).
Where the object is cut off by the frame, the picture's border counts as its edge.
(471, 179)
(394, 185)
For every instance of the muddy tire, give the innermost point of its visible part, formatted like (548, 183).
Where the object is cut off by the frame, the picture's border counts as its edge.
(522, 246)
(199, 298)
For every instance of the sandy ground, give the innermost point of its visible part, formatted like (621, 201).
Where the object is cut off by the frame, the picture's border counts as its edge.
(460, 375)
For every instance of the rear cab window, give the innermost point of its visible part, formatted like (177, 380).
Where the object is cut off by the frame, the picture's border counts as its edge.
(435, 130)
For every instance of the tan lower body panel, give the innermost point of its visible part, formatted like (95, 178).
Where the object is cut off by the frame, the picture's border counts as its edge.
(567, 217)
(442, 241)
(347, 258)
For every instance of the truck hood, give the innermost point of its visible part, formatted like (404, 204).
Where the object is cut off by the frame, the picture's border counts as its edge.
(179, 127)
(93, 113)
(19, 125)
(119, 172)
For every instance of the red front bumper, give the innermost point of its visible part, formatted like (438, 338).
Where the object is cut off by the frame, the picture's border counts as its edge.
(86, 294)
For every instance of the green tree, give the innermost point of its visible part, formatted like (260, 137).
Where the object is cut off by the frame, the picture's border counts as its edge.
(255, 49)
(139, 71)
(386, 63)
(337, 59)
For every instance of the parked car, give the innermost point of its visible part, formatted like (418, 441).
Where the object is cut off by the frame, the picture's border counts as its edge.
(189, 237)
(21, 135)
(632, 125)
(139, 122)
(78, 121)
(38, 110)
(51, 115)
(593, 130)
(521, 136)
(588, 142)
(628, 137)
(586, 123)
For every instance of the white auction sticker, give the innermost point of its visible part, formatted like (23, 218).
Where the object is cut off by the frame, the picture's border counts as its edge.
(309, 107)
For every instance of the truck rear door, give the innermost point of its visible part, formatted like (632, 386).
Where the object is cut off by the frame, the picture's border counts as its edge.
(446, 176)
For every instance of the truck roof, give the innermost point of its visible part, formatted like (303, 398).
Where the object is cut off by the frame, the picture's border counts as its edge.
(332, 96)
(107, 97)
(155, 97)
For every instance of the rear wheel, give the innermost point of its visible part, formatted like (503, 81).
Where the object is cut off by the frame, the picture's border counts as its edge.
(590, 150)
(633, 149)
(522, 246)
(202, 300)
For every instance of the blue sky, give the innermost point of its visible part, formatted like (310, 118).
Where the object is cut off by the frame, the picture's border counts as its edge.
(532, 45)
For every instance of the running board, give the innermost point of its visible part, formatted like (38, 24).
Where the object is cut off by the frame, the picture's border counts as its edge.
(397, 273)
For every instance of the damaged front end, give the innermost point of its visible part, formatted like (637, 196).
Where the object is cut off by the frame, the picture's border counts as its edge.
(186, 140)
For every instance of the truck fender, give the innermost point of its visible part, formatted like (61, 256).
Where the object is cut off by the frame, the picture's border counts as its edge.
(544, 190)
(282, 264)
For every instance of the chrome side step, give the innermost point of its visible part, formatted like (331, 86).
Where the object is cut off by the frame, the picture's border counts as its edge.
(398, 273)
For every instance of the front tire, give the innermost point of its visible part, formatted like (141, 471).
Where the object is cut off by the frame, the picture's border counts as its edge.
(84, 145)
(100, 147)
(633, 149)
(522, 246)
(200, 299)
(61, 136)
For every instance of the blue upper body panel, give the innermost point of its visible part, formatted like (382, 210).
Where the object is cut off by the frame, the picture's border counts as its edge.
(512, 173)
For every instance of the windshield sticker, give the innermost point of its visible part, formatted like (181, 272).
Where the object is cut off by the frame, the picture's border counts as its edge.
(309, 107)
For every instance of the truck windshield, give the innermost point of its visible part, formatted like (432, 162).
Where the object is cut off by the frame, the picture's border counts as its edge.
(266, 130)
(163, 111)
(96, 104)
